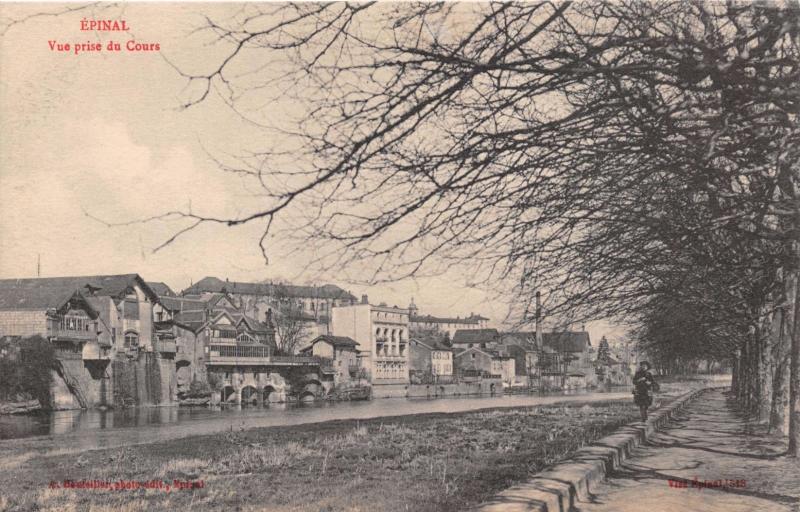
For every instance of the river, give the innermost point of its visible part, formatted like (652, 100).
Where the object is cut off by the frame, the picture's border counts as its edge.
(91, 429)
(86, 429)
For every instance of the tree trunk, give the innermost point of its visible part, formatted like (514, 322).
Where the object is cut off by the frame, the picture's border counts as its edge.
(780, 380)
(794, 376)
(765, 369)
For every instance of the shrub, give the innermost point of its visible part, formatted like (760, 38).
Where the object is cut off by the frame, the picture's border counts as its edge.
(198, 389)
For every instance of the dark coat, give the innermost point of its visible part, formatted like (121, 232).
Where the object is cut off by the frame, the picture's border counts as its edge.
(643, 384)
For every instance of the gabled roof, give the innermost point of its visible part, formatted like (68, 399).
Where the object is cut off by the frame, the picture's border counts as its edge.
(459, 353)
(216, 285)
(571, 341)
(339, 342)
(182, 304)
(161, 289)
(432, 344)
(462, 336)
(568, 341)
(51, 292)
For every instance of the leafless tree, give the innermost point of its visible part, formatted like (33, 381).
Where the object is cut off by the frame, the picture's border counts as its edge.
(596, 150)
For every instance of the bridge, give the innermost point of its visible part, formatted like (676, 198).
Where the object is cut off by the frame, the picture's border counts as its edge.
(251, 374)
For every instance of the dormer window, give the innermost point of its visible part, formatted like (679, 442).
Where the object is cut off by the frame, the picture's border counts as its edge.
(244, 338)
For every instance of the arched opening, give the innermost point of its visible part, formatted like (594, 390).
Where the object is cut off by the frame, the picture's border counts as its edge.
(183, 373)
(228, 394)
(491, 389)
(270, 395)
(307, 397)
(249, 395)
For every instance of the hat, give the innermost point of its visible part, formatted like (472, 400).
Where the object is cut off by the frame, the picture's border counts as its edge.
(647, 363)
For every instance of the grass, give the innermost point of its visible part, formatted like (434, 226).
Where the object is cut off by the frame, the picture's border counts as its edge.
(429, 462)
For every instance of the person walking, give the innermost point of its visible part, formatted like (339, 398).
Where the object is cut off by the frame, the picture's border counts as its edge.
(643, 386)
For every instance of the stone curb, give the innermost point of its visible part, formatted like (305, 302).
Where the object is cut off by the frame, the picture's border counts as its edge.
(556, 489)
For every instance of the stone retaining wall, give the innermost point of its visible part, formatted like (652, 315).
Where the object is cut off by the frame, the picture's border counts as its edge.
(557, 489)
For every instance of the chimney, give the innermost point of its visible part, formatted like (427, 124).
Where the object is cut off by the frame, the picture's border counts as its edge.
(364, 299)
(538, 321)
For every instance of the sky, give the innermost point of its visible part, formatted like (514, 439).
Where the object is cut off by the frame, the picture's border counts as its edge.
(92, 143)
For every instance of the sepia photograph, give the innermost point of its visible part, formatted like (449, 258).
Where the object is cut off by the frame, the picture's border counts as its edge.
(400, 256)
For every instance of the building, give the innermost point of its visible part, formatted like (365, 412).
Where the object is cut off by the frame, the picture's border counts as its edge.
(382, 334)
(480, 338)
(342, 351)
(208, 332)
(161, 289)
(307, 308)
(420, 323)
(430, 361)
(103, 331)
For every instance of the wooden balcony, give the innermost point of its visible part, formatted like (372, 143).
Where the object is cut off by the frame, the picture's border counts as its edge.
(256, 355)
(238, 354)
(71, 334)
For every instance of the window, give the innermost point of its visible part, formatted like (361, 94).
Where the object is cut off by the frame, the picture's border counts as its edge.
(159, 316)
(74, 323)
(131, 340)
(130, 309)
(244, 337)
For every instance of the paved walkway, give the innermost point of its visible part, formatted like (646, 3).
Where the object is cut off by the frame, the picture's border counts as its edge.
(708, 441)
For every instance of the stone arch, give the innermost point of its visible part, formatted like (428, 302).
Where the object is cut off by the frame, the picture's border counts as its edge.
(227, 394)
(307, 396)
(249, 395)
(270, 395)
(183, 372)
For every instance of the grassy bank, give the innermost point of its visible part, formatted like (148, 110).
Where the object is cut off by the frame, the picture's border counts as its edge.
(431, 462)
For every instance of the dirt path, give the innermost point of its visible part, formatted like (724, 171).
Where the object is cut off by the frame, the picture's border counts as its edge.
(710, 459)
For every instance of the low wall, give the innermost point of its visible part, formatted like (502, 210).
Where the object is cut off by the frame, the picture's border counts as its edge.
(559, 488)
(481, 387)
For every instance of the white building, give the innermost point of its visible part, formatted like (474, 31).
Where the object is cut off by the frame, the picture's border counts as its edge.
(420, 323)
(382, 335)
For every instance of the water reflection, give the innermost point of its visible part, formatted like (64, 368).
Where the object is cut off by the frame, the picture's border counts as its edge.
(201, 420)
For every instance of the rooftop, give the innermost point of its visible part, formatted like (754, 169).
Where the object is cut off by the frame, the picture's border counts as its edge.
(216, 285)
(462, 336)
(51, 292)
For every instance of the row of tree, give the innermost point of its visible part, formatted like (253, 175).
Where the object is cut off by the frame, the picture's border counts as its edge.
(638, 160)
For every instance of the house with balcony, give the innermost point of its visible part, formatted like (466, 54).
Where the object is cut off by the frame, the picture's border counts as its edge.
(311, 305)
(211, 333)
(91, 320)
(382, 334)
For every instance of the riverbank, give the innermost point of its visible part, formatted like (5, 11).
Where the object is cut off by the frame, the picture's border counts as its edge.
(428, 462)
